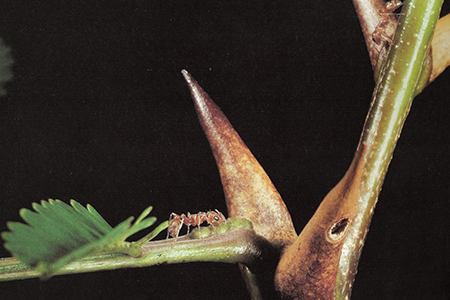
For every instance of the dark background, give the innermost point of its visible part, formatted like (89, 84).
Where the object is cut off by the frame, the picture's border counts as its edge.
(99, 112)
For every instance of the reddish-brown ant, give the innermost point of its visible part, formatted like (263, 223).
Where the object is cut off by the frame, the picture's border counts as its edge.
(379, 33)
(177, 221)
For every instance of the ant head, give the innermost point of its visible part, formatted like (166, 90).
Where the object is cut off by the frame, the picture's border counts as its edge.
(220, 216)
(215, 217)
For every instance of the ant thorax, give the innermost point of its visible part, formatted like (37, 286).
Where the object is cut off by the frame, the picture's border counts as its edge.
(379, 34)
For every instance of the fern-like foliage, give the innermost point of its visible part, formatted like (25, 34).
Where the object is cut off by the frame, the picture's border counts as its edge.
(57, 234)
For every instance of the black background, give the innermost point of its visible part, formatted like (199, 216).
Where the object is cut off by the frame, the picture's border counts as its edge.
(99, 112)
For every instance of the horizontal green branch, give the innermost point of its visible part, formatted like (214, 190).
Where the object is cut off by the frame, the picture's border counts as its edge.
(241, 245)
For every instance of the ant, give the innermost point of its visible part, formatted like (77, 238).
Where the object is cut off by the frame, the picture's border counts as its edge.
(379, 34)
(177, 221)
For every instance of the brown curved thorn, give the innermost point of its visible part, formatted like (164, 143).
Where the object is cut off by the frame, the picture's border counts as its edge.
(440, 47)
(249, 192)
(368, 12)
(308, 268)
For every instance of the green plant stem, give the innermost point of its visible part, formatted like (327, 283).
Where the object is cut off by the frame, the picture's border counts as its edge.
(397, 85)
(235, 246)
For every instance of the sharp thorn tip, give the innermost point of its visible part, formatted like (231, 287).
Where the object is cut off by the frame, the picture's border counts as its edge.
(186, 76)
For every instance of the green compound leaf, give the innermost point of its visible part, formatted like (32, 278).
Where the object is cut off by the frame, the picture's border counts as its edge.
(57, 234)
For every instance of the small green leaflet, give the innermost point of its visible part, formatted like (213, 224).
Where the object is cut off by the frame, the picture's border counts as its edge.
(57, 234)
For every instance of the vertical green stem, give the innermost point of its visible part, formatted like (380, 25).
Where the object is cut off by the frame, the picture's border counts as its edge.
(391, 102)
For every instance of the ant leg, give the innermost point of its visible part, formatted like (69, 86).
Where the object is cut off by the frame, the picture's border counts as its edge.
(169, 228)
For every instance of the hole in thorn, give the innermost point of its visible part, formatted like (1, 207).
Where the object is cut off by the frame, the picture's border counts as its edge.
(339, 226)
(338, 230)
